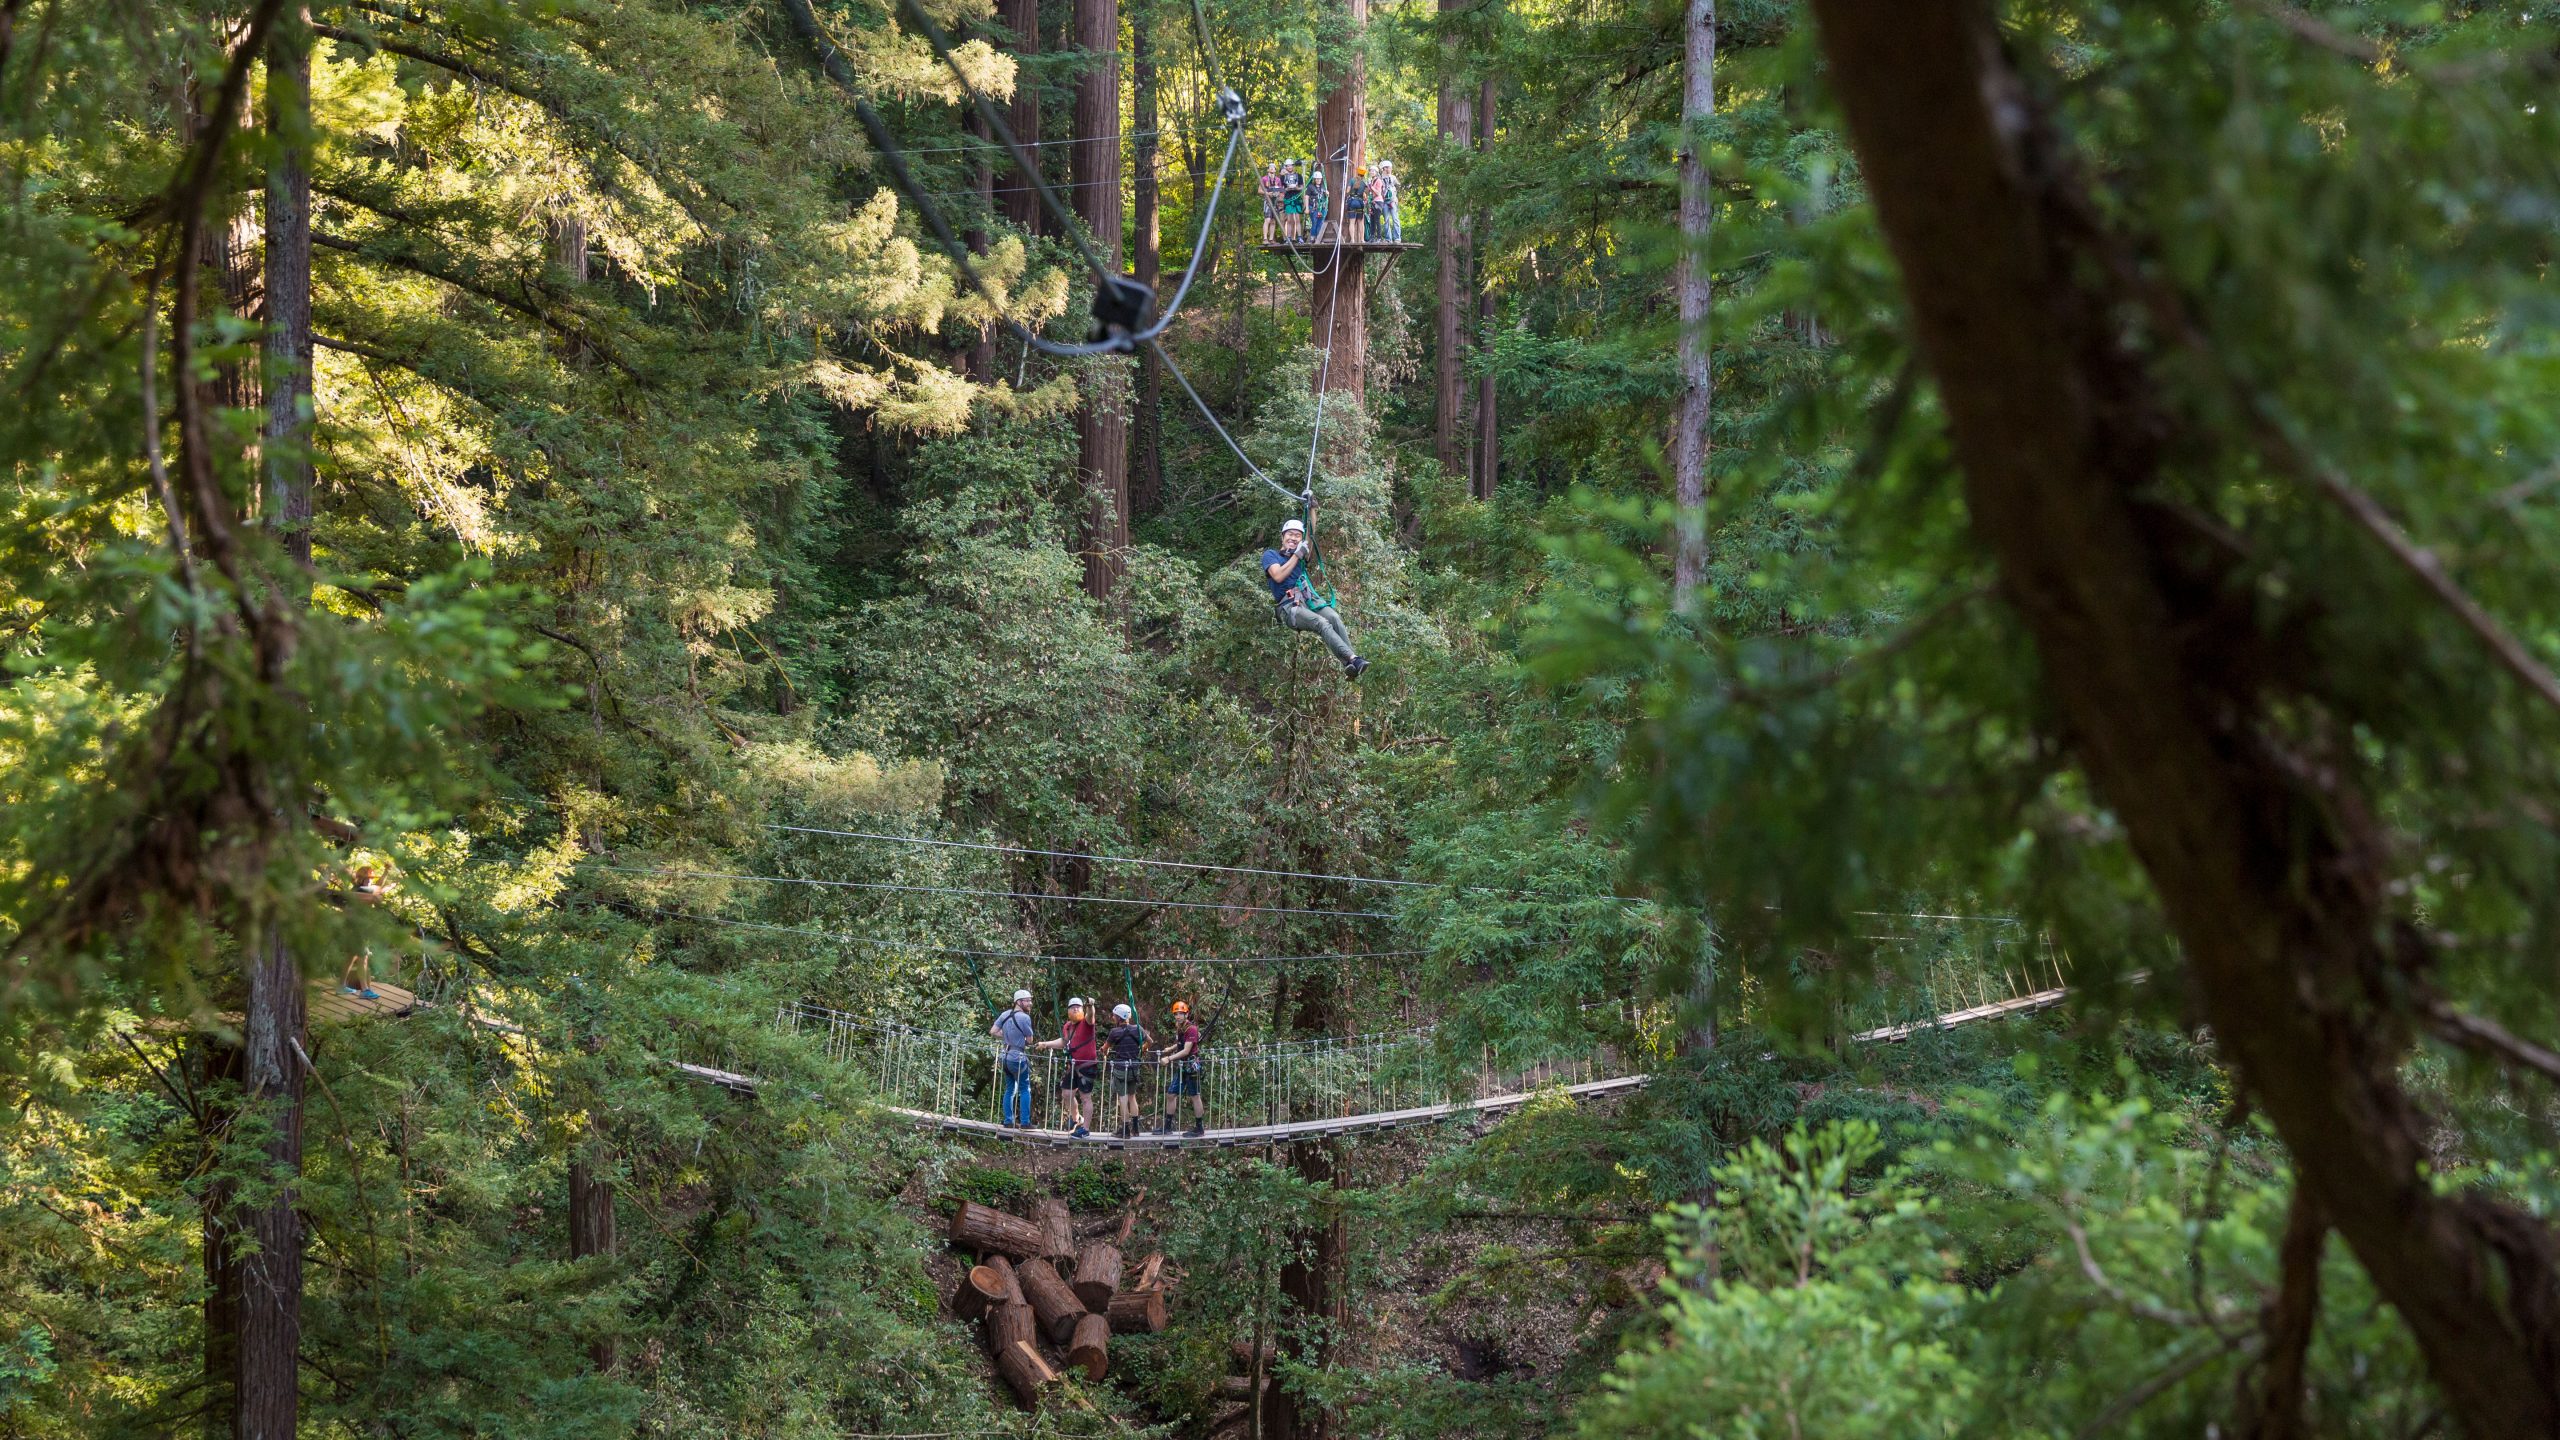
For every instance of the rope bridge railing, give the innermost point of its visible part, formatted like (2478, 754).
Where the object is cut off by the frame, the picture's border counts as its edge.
(1242, 1084)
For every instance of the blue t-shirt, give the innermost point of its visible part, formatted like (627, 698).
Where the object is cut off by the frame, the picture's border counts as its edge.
(1297, 578)
(1014, 1029)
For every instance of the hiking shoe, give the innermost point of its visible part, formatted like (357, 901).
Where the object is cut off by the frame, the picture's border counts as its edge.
(1194, 1131)
(1079, 1132)
(1353, 666)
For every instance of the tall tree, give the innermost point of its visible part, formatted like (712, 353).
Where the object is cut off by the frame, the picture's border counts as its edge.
(1457, 127)
(1146, 481)
(1690, 440)
(267, 1305)
(1102, 425)
(1021, 203)
(1341, 292)
(1488, 441)
(2218, 745)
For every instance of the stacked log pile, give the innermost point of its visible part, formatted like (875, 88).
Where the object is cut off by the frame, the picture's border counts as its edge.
(1035, 1286)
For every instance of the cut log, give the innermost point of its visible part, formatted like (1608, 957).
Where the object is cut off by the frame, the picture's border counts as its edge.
(1057, 1230)
(984, 1287)
(1137, 1312)
(1055, 1304)
(1024, 1370)
(1243, 1387)
(1098, 1276)
(1008, 1323)
(1150, 1273)
(1243, 1351)
(1090, 1349)
(993, 1232)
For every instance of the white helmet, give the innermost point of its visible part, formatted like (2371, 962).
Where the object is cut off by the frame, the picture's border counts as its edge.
(1288, 525)
(1119, 1012)
(1021, 994)
(1075, 1002)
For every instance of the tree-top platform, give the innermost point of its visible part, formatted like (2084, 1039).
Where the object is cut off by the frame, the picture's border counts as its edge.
(1347, 247)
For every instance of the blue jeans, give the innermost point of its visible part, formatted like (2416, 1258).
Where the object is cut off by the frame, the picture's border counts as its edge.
(1395, 223)
(1017, 1088)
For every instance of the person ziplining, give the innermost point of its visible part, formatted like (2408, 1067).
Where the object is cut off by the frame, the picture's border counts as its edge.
(1295, 599)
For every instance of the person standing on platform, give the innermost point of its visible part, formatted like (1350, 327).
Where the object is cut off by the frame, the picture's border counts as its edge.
(1389, 206)
(1084, 1065)
(1013, 1031)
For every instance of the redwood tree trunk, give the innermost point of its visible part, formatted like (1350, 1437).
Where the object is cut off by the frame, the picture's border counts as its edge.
(1021, 205)
(1311, 1279)
(287, 451)
(267, 1340)
(1488, 442)
(1102, 426)
(2270, 864)
(1146, 479)
(1449, 236)
(1690, 441)
(1341, 291)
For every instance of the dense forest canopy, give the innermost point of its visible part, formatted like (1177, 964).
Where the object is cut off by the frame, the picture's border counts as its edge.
(1909, 789)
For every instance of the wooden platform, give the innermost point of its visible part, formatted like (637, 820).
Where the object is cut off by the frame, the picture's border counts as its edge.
(1318, 249)
(1255, 1135)
(2024, 1004)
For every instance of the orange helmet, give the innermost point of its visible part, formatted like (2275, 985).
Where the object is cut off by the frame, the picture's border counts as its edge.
(1181, 1007)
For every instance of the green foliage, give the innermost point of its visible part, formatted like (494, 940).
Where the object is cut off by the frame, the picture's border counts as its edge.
(986, 1185)
(1094, 1186)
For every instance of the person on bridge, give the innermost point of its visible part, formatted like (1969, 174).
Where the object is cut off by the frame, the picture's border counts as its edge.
(357, 978)
(1296, 601)
(1183, 1076)
(1013, 1031)
(1084, 1065)
(1129, 1041)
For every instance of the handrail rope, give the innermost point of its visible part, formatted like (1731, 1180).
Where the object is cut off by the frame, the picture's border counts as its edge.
(1041, 955)
(676, 874)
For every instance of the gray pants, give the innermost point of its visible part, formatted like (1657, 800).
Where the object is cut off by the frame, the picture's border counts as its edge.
(1327, 623)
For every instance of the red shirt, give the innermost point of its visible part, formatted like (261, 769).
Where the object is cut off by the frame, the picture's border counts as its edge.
(1079, 1038)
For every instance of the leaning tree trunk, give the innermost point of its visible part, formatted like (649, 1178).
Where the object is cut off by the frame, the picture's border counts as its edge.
(1102, 426)
(1449, 237)
(1690, 441)
(1488, 444)
(2269, 864)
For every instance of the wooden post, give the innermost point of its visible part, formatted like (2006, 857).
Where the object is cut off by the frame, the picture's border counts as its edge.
(977, 1227)
(1097, 1275)
(1056, 1306)
(1090, 1348)
(1024, 1370)
(1057, 1230)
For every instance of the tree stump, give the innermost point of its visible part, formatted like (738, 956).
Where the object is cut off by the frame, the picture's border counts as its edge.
(985, 1287)
(1137, 1312)
(1024, 1370)
(1051, 1300)
(990, 1231)
(1007, 1323)
(1090, 1349)
(1098, 1275)
(1057, 1230)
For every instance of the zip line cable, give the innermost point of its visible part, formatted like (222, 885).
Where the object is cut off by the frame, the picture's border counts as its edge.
(1332, 315)
(1000, 894)
(1209, 415)
(878, 943)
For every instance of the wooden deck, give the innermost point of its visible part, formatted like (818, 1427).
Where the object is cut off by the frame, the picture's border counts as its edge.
(1321, 248)
(1253, 1135)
